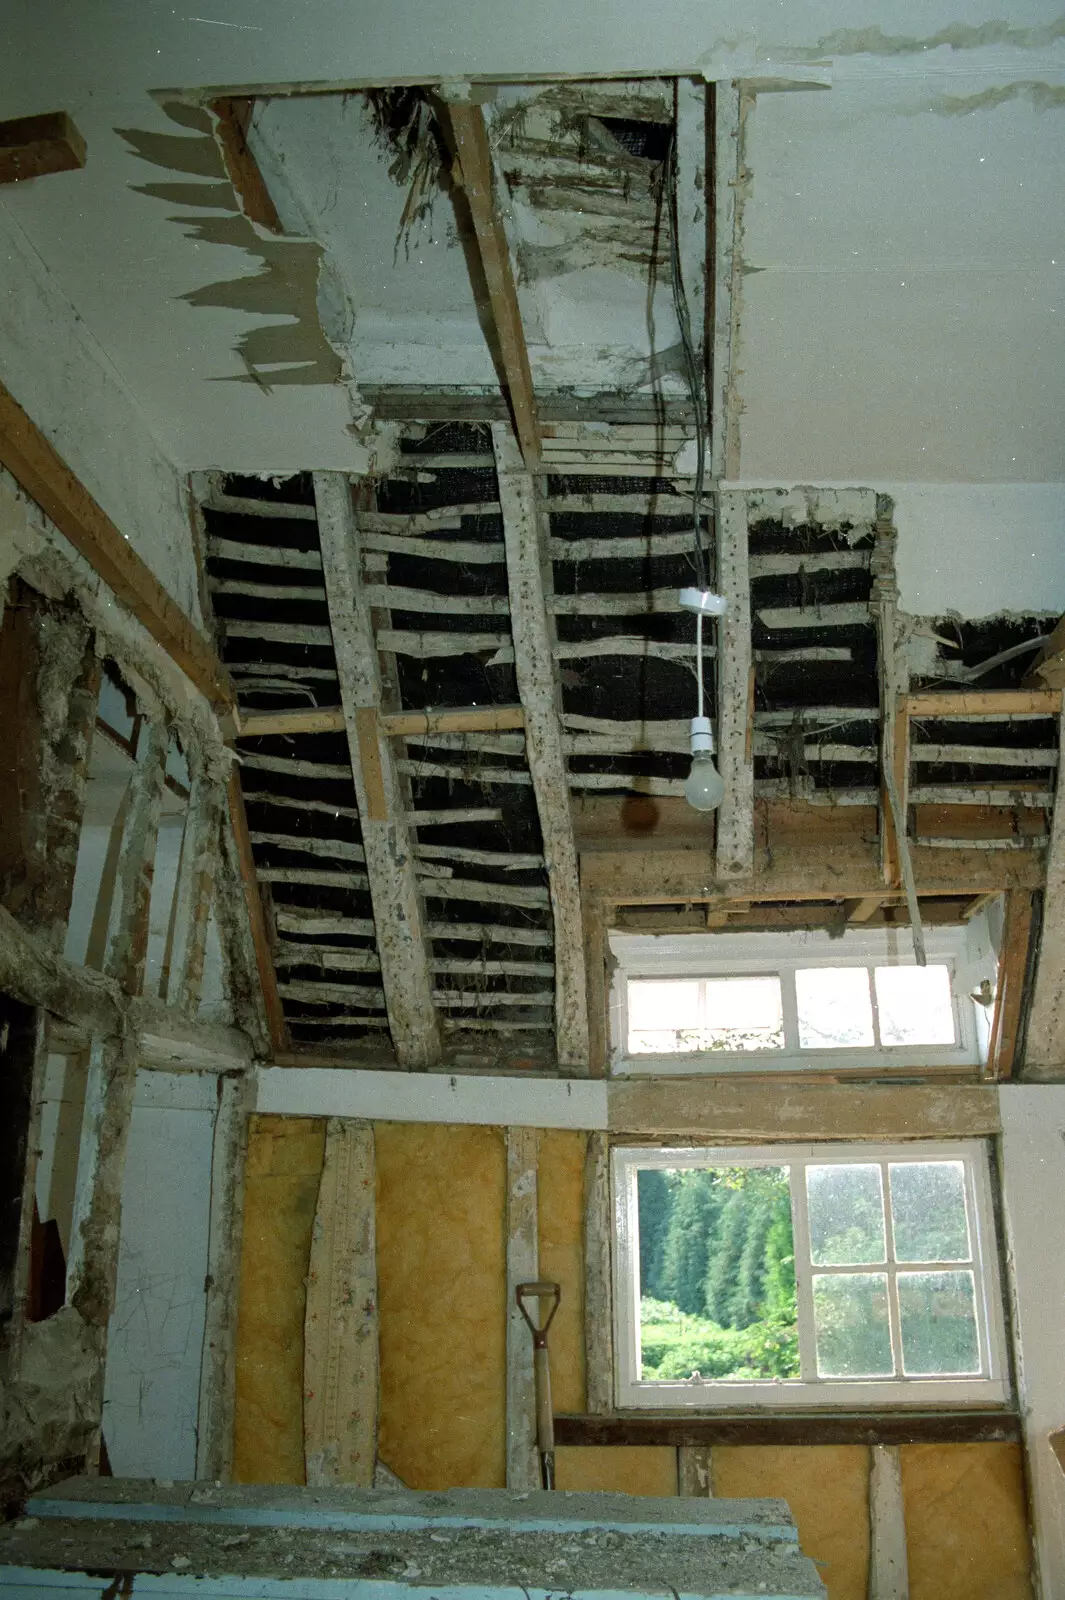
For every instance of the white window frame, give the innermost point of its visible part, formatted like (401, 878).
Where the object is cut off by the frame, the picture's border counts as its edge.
(965, 950)
(987, 1388)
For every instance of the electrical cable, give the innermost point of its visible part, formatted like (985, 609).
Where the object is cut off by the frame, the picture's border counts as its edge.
(699, 656)
(695, 385)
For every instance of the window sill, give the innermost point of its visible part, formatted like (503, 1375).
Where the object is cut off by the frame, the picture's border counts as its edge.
(961, 1425)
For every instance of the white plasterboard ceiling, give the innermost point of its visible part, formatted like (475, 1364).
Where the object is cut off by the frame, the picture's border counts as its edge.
(930, 355)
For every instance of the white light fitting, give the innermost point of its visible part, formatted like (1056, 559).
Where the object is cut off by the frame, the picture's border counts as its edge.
(704, 788)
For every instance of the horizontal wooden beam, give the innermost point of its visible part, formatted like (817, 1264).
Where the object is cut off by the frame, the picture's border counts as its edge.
(983, 703)
(396, 724)
(32, 147)
(307, 719)
(791, 1428)
(46, 478)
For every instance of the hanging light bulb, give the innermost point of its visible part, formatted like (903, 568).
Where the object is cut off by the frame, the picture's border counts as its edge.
(704, 789)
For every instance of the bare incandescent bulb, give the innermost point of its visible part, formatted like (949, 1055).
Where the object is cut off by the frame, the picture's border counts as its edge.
(704, 788)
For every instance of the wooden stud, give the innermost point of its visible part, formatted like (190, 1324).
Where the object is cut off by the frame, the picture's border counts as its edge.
(598, 1284)
(865, 908)
(193, 893)
(523, 1145)
(232, 121)
(341, 1388)
(238, 822)
(538, 686)
(474, 172)
(390, 866)
(888, 1565)
(1004, 1041)
(695, 1478)
(217, 1402)
(46, 478)
(735, 815)
(1044, 1051)
(33, 147)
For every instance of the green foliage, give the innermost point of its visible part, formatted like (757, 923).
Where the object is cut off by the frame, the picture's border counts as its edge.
(676, 1346)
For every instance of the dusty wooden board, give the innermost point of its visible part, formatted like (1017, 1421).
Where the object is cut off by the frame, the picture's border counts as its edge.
(538, 687)
(598, 1291)
(1004, 1045)
(735, 815)
(781, 1427)
(983, 703)
(215, 1418)
(37, 466)
(341, 1389)
(523, 1467)
(474, 173)
(386, 840)
(724, 1110)
(1044, 1050)
(33, 147)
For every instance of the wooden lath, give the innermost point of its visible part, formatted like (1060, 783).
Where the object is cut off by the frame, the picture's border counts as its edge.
(538, 686)
(401, 941)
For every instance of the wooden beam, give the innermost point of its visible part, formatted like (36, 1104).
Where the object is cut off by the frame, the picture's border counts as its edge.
(536, 671)
(983, 703)
(193, 893)
(32, 147)
(1002, 1050)
(1044, 1051)
(238, 820)
(888, 1565)
(865, 908)
(232, 121)
(1049, 667)
(963, 1426)
(394, 724)
(598, 1287)
(523, 1148)
(46, 478)
(735, 815)
(473, 171)
(390, 866)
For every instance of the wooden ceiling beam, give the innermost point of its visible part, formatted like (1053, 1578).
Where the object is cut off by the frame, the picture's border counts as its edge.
(983, 703)
(394, 724)
(536, 670)
(37, 466)
(233, 116)
(735, 815)
(473, 172)
(406, 974)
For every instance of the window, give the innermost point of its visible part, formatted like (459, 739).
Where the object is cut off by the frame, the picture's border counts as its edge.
(806, 1275)
(720, 1002)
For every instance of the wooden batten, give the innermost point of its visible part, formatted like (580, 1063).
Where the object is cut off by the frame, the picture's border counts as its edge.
(598, 1288)
(390, 864)
(538, 687)
(260, 938)
(523, 1148)
(193, 893)
(232, 120)
(735, 815)
(1044, 1050)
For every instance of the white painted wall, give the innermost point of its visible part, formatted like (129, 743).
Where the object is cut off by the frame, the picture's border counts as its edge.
(156, 1332)
(1033, 1174)
(978, 549)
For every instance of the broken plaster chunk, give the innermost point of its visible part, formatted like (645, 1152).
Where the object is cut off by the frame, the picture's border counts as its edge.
(179, 1563)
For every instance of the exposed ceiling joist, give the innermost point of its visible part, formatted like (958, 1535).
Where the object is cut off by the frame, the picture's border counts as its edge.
(538, 686)
(406, 974)
(474, 172)
(232, 120)
(735, 816)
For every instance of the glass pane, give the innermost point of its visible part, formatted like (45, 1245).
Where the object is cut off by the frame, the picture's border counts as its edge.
(928, 1211)
(851, 1325)
(663, 1017)
(743, 1014)
(835, 1008)
(846, 1205)
(717, 1274)
(914, 1005)
(937, 1311)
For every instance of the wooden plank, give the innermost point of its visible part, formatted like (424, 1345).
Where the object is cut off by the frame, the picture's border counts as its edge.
(536, 672)
(193, 893)
(721, 1110)
(780, 1427)
(1049, 666)
(735, 815)
(458, 719)
(1044, 1049)
(232, 120)
(984, 702)
(46, 478)
(865, 908)
(217, 1402)
(888, 1565)
(695, 1475)
(390, 867)
(341, 1387)
(598, 1287)
(474, 173)
(33, 147)
(729, 179)
(305, 719)
(523, 1148)
(238, 822)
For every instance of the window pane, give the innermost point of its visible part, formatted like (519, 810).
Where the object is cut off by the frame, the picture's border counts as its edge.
(743, 1014)
(663, 1016)
(835, 1008)
(846, 1207)
(717, 1274)
(851, 1325)
(914, 1005)
(937, 1311)
(928, 1211)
